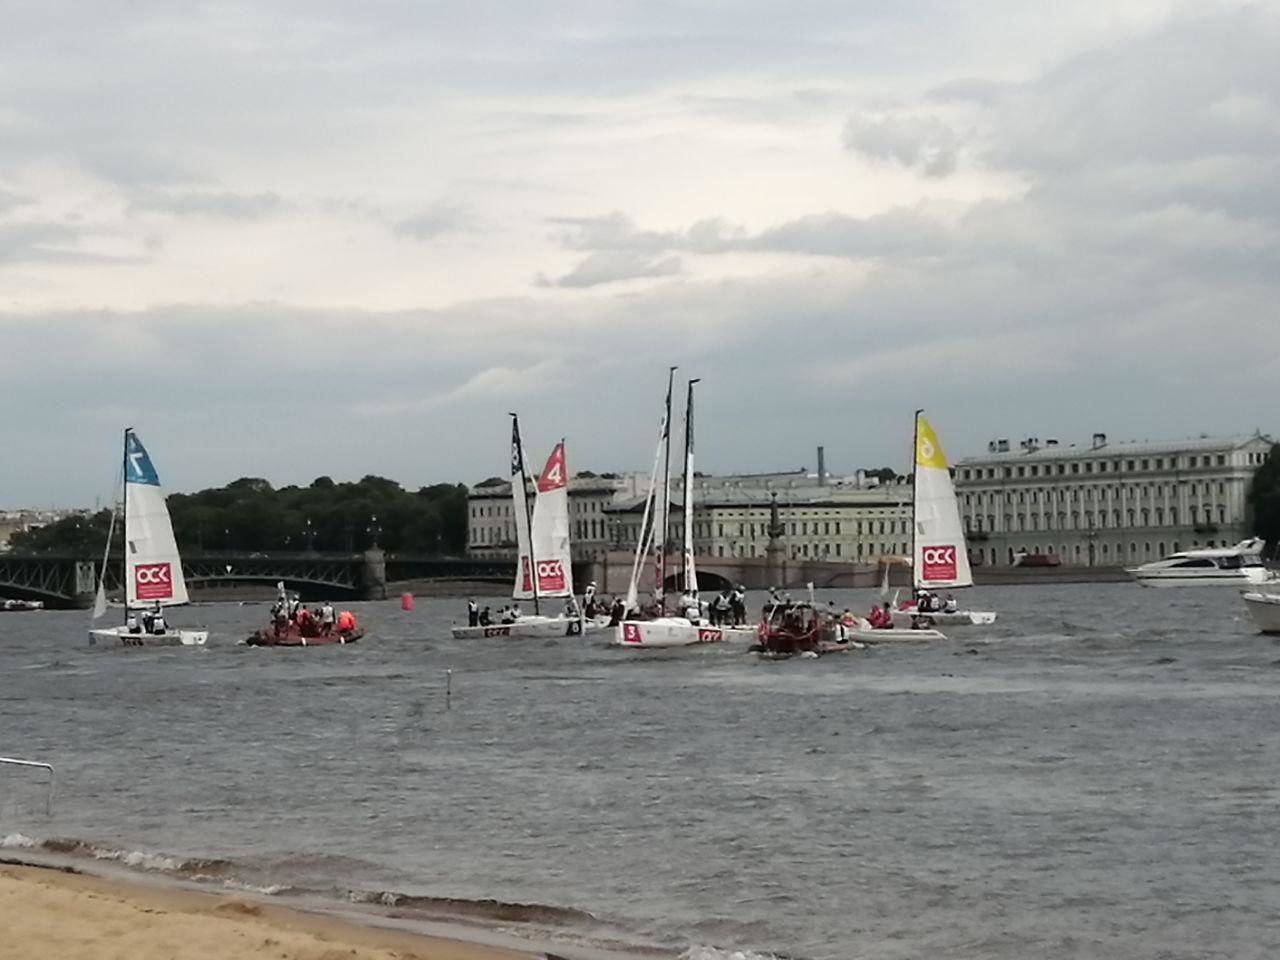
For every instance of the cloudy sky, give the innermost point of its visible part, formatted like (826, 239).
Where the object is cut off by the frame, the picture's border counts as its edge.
(286, 239)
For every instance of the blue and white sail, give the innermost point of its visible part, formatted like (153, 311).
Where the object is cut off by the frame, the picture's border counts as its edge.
(152, 566)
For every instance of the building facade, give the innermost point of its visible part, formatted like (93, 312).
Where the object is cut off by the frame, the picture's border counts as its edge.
(1106, 503)
(491, 521)
(846, 519)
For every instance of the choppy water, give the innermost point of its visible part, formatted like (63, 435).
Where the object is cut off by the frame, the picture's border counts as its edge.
(1095, 776)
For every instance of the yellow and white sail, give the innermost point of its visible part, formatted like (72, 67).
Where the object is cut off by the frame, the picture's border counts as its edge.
(940, 556)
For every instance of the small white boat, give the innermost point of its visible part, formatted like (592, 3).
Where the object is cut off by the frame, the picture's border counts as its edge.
(665, 632)
(939, 551)
(952, 618)
(866, 633)
(1238, 566)
(544, 565)
(152, 573)
(15, 606)
(1265, 610)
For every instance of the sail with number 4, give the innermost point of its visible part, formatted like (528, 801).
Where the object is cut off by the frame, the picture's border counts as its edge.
(152, 566)
(940, 557)
(553, 561)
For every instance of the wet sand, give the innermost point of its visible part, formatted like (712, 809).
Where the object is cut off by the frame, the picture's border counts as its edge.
(54, 915)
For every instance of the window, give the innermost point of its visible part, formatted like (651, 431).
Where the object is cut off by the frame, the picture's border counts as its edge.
(1075, 468)
(1146, 464)
(1102, 466)
(1222, 460)
(1198, 562)
(1159, 463)
(1035, 470)
(1088, 467)
(1062, 468)
(1128, 465)
(1022, 471)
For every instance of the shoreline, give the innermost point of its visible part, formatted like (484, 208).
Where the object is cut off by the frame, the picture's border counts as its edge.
(70, 903)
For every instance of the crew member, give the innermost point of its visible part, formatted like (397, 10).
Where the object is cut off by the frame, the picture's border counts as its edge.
(473, 613)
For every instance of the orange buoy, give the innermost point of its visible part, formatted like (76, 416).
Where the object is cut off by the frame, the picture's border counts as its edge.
(406, 601)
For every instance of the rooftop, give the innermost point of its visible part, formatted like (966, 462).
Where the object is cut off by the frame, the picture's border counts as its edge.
(1123, 448)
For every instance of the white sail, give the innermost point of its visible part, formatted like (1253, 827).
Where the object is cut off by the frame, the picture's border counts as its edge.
(632, 601)
(940, 557)
(553, 560)
(152, 567)
(524, 587)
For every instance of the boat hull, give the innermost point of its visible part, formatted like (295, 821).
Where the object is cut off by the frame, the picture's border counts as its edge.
(666, 632)
(531, 628)
(20, 606)
(123, 637)
(268, 638)
(1265, 610)
(956, 618)
(894, 635)
(1244, 577)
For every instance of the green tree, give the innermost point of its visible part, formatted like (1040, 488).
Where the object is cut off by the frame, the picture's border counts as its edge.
(1264, 501)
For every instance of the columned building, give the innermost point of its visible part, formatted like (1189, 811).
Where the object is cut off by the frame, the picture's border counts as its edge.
(843, 519)
(1106, 503)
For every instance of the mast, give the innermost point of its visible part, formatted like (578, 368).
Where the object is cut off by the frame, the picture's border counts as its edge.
(124, 521)
(915, 478)
(517, 462)
(687, 571)
(664, 506)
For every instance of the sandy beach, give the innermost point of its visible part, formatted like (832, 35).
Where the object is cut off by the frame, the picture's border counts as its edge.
(66, 916)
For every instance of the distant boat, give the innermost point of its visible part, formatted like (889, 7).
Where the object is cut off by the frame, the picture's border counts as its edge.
(152, 569)
(939, 554)
(544, 563)
(660, 629)
(1238, 566)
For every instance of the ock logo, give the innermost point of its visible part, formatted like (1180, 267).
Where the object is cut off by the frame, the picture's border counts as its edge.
(709, 636)
(939, 563)
(153, 581)
(550, 576)
(630, 633)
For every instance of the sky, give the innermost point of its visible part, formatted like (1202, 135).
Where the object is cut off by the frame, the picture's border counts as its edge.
(287, 239)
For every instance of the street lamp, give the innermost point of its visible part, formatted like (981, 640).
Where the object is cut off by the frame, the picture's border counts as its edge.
(373, 530)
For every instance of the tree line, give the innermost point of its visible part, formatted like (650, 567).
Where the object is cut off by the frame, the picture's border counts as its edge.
(249, 515)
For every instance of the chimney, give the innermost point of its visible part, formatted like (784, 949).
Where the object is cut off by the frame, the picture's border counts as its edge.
(1051, 442)
(1002, 446)
(1099, 440)
(822, 467)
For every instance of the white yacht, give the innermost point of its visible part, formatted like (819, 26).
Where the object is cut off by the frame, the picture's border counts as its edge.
(1236, 566)
(1265, 609)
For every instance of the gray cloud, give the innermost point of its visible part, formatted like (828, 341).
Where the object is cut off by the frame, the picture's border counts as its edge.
(924, 143)
(220, 204)
(439, 220)
(610, 266)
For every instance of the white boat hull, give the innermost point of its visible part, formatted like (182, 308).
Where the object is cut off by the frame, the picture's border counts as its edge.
(122, 637)
(1243, 577)
(956, 618)
(532, 628)
(1265, 610)
(668, 632)
(893, 635)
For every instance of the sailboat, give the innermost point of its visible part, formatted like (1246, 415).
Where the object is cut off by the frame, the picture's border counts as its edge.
(661, 630)
(152, 573)
(939, 554)
(544, 565)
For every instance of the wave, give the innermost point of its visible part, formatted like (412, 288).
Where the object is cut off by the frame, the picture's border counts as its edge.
(717, 953)
(534, 913)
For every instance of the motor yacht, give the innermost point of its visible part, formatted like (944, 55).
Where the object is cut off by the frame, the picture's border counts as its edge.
(1236, 566)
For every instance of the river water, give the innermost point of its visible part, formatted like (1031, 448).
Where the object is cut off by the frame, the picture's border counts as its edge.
(1094, 776)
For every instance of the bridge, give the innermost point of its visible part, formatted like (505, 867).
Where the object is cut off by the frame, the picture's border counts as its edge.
(612, 572)
(62, 580)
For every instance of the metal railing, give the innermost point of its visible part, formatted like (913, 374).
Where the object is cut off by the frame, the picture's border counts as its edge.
(48, 767)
